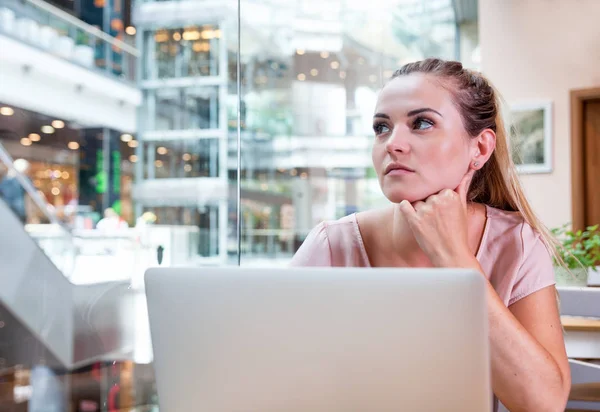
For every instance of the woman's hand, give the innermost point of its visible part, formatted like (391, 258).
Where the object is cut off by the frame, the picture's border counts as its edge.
(439, 224)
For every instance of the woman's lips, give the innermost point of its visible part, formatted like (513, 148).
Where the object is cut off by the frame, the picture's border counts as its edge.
(399, 172)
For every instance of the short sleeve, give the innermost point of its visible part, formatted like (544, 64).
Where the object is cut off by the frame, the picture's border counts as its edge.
(536, 272)
(315, 251)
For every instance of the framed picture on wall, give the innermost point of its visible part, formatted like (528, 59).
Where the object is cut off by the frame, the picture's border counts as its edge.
(530, 137)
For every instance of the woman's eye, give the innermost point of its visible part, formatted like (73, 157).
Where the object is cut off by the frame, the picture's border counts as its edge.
(422, 124)
(380, 128)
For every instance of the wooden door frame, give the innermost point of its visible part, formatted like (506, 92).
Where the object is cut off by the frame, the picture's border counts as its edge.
(578, 99)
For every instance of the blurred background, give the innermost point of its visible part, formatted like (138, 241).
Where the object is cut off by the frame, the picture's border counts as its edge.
(120, 123)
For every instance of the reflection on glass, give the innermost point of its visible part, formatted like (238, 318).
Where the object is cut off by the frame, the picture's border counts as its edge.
(307, 107)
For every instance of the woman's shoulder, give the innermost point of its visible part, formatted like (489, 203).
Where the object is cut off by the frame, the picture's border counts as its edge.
(510, 228)
(332, 243)
(342, 234)
(334, 230)
(515, 256)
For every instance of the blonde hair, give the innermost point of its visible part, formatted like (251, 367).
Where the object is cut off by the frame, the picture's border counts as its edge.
(497, 183)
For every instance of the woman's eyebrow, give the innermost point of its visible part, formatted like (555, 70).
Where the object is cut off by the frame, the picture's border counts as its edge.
(423, 110)
(385, 116)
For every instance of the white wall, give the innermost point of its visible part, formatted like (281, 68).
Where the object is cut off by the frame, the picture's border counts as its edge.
(536, 50)
(55, 87)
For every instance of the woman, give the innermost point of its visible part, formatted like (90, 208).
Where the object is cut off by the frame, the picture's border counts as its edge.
(441, 156)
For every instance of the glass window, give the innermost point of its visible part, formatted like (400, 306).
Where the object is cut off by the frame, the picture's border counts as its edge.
(183, 108)
(192, 51)
(182, 159)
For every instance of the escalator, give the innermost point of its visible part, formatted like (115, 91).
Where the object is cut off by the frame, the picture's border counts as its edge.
(48, 324)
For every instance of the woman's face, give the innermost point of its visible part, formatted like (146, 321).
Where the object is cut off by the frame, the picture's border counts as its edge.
(421, 146)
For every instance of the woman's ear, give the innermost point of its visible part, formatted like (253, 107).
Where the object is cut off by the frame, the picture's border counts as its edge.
(483, 147)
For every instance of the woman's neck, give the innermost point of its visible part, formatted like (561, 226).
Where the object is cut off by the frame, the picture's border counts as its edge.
(403, 245)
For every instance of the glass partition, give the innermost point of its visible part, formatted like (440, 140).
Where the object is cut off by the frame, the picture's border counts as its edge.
(229, 169)
(307, 103)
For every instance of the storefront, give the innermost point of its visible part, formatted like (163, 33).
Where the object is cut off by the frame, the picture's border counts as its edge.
(66, 163)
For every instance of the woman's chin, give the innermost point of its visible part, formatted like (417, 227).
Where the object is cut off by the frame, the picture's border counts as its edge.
(397, 197)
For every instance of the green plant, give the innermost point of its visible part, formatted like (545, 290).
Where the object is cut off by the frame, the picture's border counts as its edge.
(580, 248)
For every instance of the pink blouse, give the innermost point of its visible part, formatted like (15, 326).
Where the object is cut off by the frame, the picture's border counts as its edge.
(511, 253)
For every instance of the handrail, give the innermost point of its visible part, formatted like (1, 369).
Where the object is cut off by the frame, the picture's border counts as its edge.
(56, 12)
(7, 159)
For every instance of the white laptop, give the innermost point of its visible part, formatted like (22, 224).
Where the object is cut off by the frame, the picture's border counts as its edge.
(319, 339)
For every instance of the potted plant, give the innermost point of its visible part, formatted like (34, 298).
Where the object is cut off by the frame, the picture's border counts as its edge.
(581, 253)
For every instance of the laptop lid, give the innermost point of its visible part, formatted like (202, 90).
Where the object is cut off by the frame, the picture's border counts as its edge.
(319, 339)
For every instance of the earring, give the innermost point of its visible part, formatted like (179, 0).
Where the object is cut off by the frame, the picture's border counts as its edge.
(476, 164)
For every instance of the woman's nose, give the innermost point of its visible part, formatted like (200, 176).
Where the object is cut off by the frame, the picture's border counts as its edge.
(397, 142)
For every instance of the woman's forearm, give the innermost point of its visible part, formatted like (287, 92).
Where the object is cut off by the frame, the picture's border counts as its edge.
(525, 377)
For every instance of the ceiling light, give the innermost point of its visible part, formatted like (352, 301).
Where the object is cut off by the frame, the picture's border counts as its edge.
(34, 137)
(47, 129)
(187, 157)
(176, 36)
(191, 35)
(301, 77)
(133, 158)
(25, 141)
(55, 191)
(56, 174)
(207, 34)
(65, 175)
(324, 54)
(6, 111)
(73, 145)
(131, 30)
(293, 172)
(187, 168)
(126, 137)
(314, 72)
(58, 124)
(334, 65)
(300, 51)
(303, 175)
(158, 163)
(132, 143)
(162, 150)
